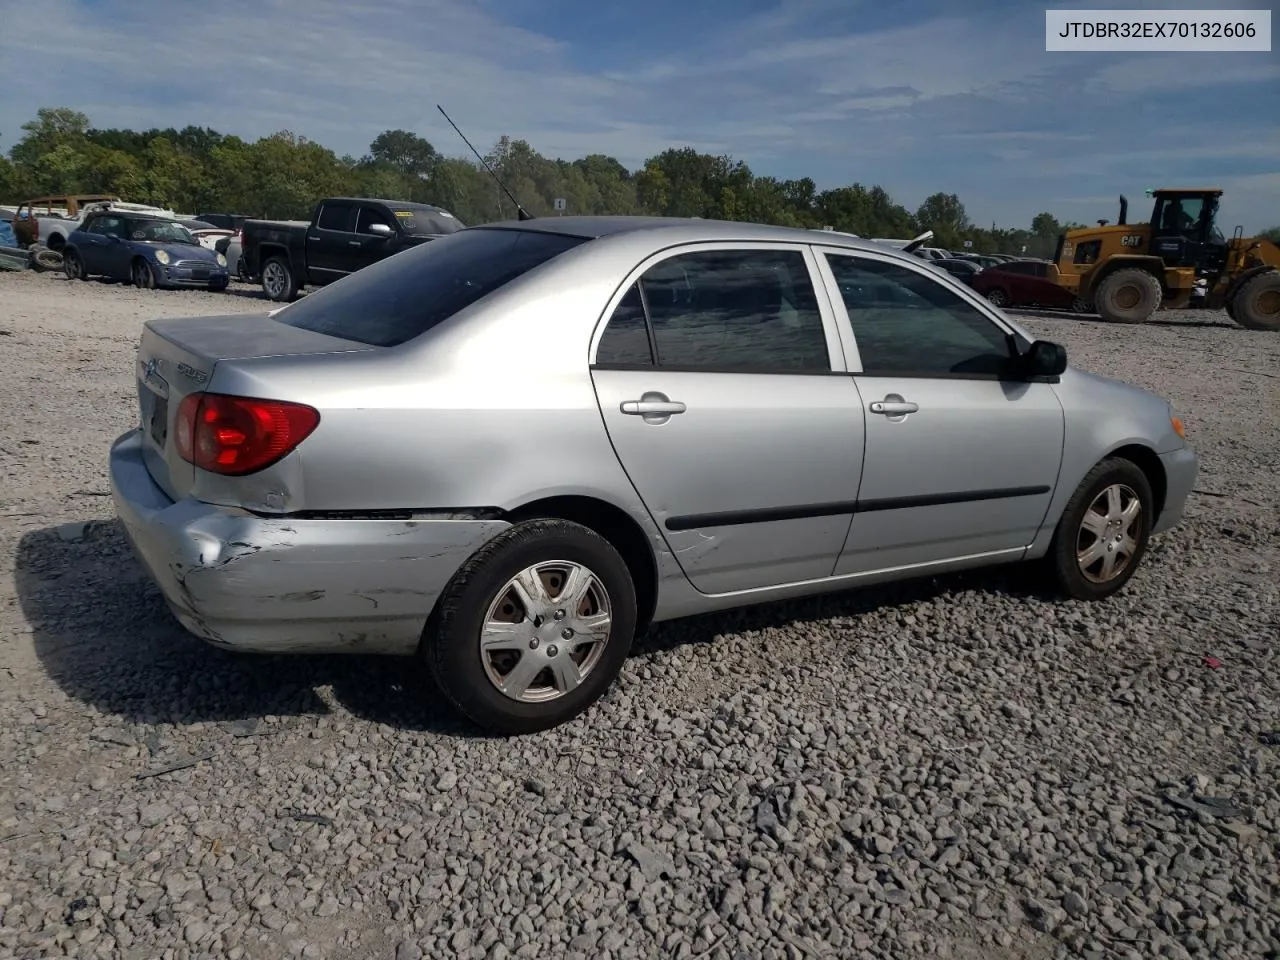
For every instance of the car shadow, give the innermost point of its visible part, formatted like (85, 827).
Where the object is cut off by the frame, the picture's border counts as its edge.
(101, 631)
(1037, 314)
(250, 293)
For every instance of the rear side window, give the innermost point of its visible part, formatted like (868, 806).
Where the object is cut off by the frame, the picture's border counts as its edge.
(336, 216)
(407, 294)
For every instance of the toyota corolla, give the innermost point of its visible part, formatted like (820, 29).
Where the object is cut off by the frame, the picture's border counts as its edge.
(510, 450)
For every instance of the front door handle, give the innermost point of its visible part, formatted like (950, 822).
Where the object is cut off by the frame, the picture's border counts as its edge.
(894, 408)
(355, 243)
(648, 408)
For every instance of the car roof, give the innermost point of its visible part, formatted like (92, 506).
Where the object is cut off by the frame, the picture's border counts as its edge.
(398, 204)
(682, 229)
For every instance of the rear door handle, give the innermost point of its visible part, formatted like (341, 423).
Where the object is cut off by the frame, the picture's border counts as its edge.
(894, 408)
(649, 408)
(354, 243)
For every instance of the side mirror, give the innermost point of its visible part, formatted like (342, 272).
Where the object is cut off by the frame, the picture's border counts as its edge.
(380, 230)
(1044, 358)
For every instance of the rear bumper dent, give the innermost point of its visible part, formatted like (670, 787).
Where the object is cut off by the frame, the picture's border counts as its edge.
(289, 586)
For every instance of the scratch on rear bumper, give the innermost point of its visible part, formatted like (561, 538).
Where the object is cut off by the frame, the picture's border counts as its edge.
(283, 585)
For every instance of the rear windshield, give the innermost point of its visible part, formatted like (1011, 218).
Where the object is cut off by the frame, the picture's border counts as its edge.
(422, 222)
(407, 294)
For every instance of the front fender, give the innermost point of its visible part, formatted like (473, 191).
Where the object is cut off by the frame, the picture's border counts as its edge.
(1236, 283)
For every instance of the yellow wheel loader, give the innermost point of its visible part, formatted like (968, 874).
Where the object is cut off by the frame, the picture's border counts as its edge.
(1179, 259)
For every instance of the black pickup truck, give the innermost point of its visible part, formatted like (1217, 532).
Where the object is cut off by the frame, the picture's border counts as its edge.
(344, 234)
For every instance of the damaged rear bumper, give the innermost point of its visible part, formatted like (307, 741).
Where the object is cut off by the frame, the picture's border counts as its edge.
(280, 585)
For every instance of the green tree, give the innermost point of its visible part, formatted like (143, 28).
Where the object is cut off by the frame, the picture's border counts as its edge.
(944, 214)
(406, 151)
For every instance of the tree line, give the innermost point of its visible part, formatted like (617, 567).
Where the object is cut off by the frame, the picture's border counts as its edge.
(283, 175)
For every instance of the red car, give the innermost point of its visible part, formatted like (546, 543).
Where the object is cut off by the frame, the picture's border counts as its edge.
(1026, 283)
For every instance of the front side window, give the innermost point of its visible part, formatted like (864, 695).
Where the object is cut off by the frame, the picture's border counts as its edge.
(736, 310)
(404, 296)
(369, 216)
(908, 324)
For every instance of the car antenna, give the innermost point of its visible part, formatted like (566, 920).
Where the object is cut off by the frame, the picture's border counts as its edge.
(521, 212)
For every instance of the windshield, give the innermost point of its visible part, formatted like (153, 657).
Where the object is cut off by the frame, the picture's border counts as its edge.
(160, 231)
(407, 294)
(421, 222)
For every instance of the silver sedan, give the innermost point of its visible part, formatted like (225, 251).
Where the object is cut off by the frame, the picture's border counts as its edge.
(510, 450)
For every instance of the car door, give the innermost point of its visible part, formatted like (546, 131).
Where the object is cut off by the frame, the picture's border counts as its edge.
(331, 239)
(91, 241)
(961, 459)
(369, 246)
(718, 374)
(117, 251)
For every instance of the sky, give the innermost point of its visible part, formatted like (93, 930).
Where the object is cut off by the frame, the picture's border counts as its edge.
(918, 96)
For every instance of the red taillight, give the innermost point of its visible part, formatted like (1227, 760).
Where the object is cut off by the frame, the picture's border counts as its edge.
(238, 435)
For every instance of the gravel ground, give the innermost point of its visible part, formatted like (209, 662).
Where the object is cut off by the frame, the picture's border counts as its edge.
(951, 768)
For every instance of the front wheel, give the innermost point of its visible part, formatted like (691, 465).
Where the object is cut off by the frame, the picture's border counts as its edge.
(534, 628)
(144, 278)
(278, 281)
(1103, 532)
(1256, 306)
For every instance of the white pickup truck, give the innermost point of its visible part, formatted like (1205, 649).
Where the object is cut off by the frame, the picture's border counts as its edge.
(55, 218)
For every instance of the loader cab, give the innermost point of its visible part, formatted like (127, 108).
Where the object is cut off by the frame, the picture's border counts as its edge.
(1184, 232)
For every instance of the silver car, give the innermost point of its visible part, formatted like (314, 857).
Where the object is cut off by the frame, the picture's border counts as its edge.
(511, 449)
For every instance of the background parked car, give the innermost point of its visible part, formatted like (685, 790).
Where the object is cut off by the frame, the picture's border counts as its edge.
(964, 270)
(932, 253)
(225, 221)
(344, 235)
(207, 233)
(148, 251)
(1026, 283)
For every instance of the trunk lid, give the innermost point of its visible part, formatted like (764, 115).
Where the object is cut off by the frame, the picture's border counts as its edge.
(177, 358)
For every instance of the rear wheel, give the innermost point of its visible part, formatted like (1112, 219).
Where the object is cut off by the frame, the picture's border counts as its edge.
(278, 281)
(1256, 305)
(1129, 296)
(1080, 305)
(998, 298)
(144, 278)
(534, 628)
(1103, 532)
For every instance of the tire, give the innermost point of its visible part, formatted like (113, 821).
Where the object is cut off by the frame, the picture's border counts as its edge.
(1081, 525)
(43, 258)
(998, 298)
(73, 266)
(143, 277)
(220, 286)
(1256, 305)
(1080, 305)
(278, 281)
(1129, 296)
(483, 592)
